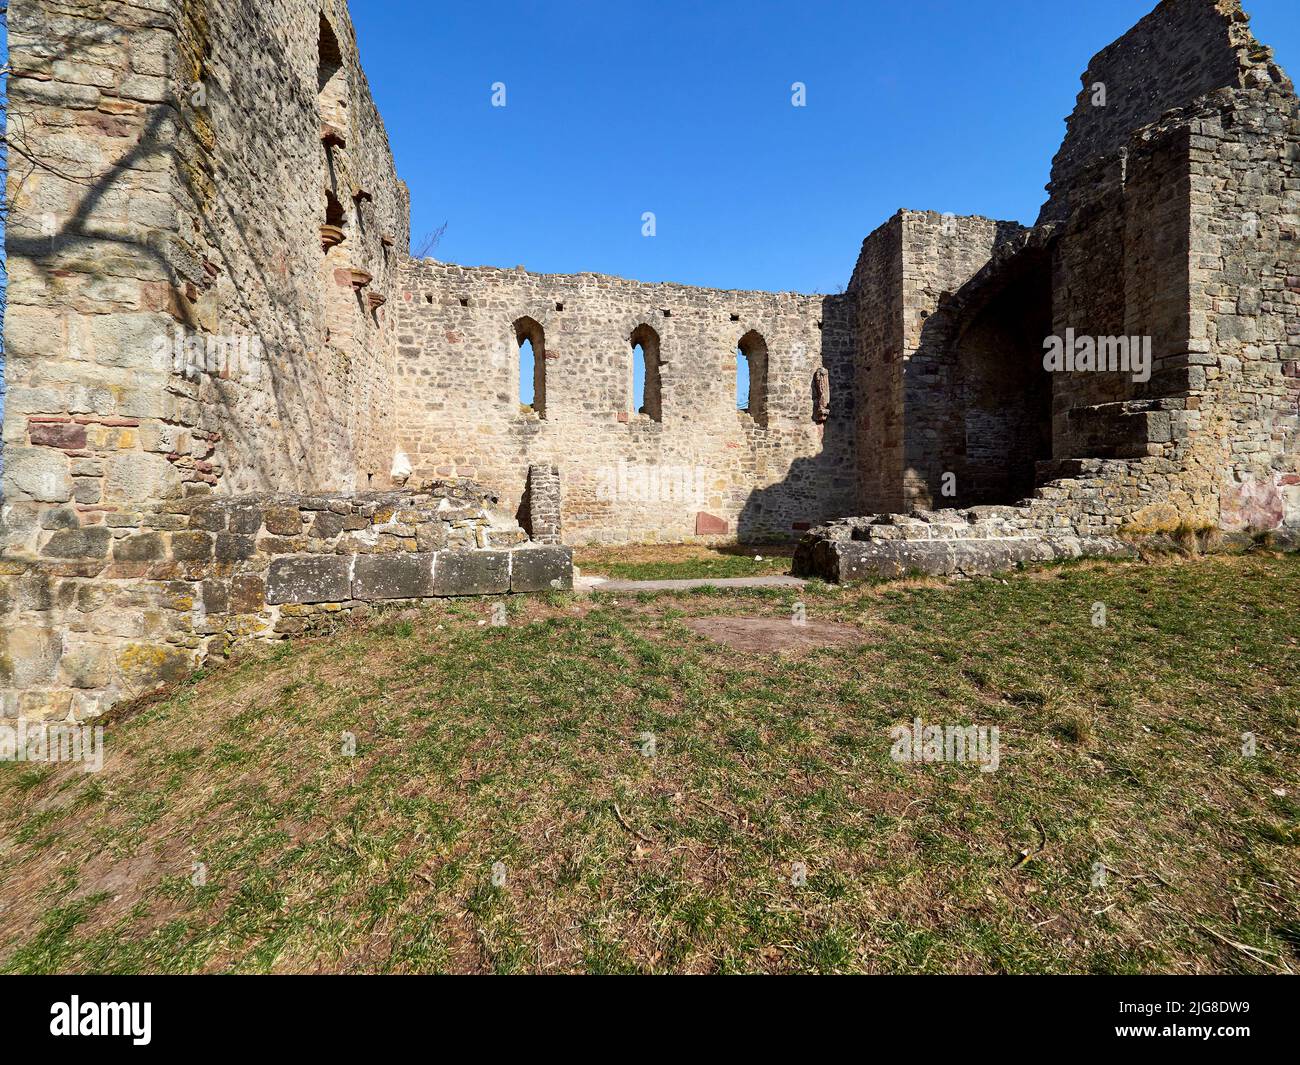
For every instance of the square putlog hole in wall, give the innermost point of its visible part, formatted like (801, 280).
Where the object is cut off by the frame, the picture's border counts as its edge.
(735, 317)
(559, 306)
(464, 301)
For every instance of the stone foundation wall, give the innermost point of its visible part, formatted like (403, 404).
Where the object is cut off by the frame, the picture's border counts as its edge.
(972, 542)
(99, 613)
(702, 469)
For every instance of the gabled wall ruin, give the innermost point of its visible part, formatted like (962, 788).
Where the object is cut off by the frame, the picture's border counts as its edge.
(210, 296)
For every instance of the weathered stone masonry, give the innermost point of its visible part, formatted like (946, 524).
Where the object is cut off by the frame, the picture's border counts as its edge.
(109, 610)
(1173, 214)
(701, 468)
(223, 366)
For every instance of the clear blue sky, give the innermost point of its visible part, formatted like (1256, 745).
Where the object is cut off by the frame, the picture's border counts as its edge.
(683, 109)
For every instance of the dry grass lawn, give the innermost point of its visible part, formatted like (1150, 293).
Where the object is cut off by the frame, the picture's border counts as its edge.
(597, 788)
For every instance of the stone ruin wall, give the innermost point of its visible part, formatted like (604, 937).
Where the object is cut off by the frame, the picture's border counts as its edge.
(704, 471)
(110, 611)
(1245, 282)
(180, 197)
(184, 195)
(1182, 50)
(181, 186)
(1181, 208)
(1183, 229)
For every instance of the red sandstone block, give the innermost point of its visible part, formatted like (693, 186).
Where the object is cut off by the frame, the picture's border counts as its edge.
(709, 525)
(48, 434)
(61, 419)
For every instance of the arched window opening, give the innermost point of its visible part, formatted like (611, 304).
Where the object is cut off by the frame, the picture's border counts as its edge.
(331, 81)
(647, 393)
(331, 85)
(751, 377)
(532, 366)
(335, 215)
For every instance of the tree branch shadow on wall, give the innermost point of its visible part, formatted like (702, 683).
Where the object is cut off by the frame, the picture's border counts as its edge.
(283, 331)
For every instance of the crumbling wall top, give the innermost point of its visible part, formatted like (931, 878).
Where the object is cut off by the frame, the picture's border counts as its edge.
(1178, 53)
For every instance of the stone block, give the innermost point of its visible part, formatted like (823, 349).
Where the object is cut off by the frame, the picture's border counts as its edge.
(284, 521)
(87, 490)
(87, 665)
(67, 436)
(131, 341)
(147, 665)
(709, 525)
(309, 579)
(471, 573)
(215, 596)
(327, 525)
(247, 593)
(431, 537)
(192, 546)
(89, 542)
(245, 520)
(60, 518)
(140, 475)
(38, 473)
(145, 547)
(209, 517)
(541, 569)
(29, 655)
(396, 576)
(233, 548)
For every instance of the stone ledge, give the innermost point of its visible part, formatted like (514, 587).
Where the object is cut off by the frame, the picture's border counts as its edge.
(296, 580)
(471, 573)
(404, 576)
(309, 579)
(851, 561)
(541, 569)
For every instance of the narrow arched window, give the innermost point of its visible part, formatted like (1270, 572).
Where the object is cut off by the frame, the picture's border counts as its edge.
(331, 79)
(647, 388)
(532, 366)
(751, 377)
